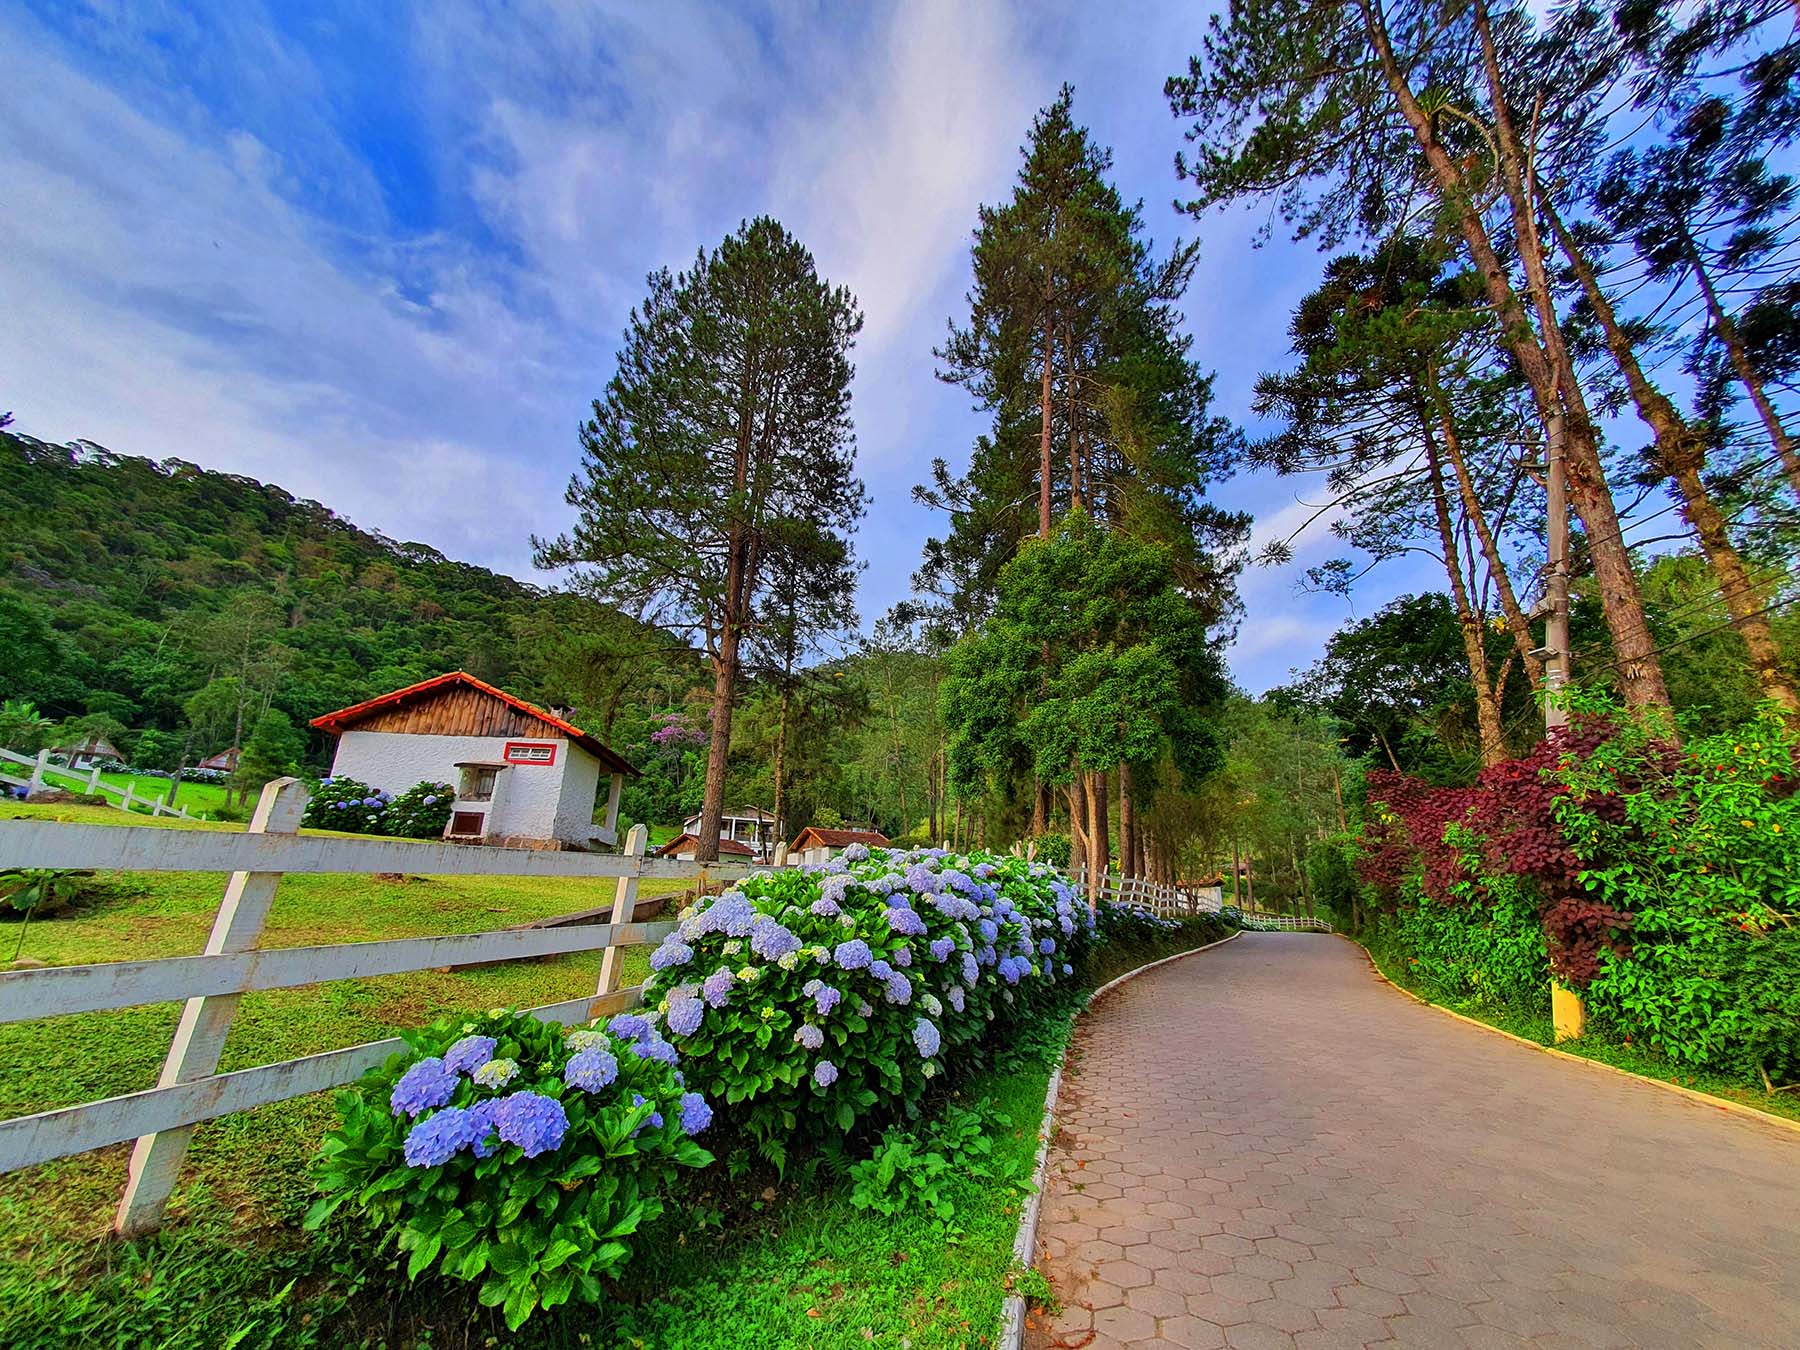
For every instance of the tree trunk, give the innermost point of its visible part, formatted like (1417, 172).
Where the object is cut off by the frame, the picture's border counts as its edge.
(1040, 807)
(718, 750)
(1237, 872)
(1733, 343)
(781, 727)
(1044, 399)
(1128, 833)
(1099, 847)
(1487, 711)
(1077, 822)
(1552, 384)
(1076, 494)
(1680, 454)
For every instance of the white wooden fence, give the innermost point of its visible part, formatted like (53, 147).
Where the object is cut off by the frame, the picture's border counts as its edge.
(77, 781)
(190, 1090)
(1282, 923)
(1169, 901)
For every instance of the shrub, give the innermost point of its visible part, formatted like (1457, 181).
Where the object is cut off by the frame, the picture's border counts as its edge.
(906, 1173)
(1054, 849)
(1117, 921)
(810, 1001)
(510, 1151)
(341, 803)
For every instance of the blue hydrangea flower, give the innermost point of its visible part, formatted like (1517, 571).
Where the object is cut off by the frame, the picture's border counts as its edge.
(931, 1006)
(990, 930)
(856, 853)
(439, 1137)
(1046, 946)
(685, 1016)
(902, 955)
(825, 998)
(673, 952)
(941, 949)
(429, 801)
(824, 909)
(825, 1073)
(955, 994)
(922, 879)
(834, 888)
(853, 955)
(809, 1036)
(469, 1054)
(1068, 969)
(534, 1122)
(899, 989)
(880, 969)
(925, 1036)
(1012, 967)
(427, 1084)
(656, 1048)
(496, 1073)
(717, 989)
(629, 1026)
(863, 1009)
(983, 870)
(653, 1121)
(971, 971)
(591, 1070)
(769, 940)
(731, 914)
(906, 921)
(696, 1115)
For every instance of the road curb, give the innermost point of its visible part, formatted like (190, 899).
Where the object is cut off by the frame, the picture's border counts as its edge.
(1692, 1094)
(1012, 1312)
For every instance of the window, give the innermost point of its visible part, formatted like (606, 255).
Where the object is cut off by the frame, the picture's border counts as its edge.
(477, 783)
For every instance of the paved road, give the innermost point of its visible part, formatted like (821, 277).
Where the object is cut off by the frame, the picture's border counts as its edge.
(1264, 1146)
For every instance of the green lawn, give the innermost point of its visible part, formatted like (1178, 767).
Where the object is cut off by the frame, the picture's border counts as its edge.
(196, 797)
(761, 1261)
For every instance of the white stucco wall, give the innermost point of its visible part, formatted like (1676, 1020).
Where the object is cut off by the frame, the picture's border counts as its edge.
(536, 801)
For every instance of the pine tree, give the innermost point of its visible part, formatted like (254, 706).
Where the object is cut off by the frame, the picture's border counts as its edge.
(720, 456)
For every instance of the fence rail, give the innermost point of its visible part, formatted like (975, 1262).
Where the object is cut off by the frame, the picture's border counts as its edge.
(89, 782)
(1281, 923)
(1167, 901)
(189, 1090)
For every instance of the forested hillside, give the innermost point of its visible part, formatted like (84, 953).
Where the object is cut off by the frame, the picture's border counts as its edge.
(130, 589)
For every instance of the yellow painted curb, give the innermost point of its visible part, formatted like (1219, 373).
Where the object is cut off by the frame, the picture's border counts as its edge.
(1693, 1094)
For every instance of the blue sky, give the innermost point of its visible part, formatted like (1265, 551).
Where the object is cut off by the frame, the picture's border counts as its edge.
(382, 257)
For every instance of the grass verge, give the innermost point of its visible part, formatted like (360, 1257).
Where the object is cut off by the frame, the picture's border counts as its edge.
(758, 1261)
(1595, 1045)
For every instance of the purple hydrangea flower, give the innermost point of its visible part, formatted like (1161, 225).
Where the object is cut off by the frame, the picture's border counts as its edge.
(955, 994)
(717, 989)
(469, 1054)
(941, 949)
(769, 940)
(906, 921)
(731, 914)
(925, 1036)
(922, 879)
(824, 909)
(440, 1137)
(809, 1036)
(902, 955)
(673, 952)
(685, 1016)
(880, 969)
(863, 1009)
(856, 853)
(427, 1084)
(696, 1115)
(899, 989)
(591, 1070)
(971, 970)
(853, 955)
(835, 887)
(534, 1122)
(656, 1048)
(825, 1073)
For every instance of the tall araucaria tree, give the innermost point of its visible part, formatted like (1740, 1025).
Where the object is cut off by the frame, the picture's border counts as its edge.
(720, 457)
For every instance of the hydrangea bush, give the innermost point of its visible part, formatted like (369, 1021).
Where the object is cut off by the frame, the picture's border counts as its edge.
(514, 1152)
(809, 999)
(342, 803)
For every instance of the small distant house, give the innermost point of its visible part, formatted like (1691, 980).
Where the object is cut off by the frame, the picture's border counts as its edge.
(523, 776)
(686, 847)
(815, 837)
(749, 825)
(94, 750)
(226, 761)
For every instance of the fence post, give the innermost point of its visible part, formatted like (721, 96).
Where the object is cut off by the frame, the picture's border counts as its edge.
(624, 902)
(94, 779)
(200, 1035)
(127, 802)
(36, 785)
(781, 856)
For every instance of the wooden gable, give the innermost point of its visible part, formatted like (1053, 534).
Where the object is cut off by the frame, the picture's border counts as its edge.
(454, 710)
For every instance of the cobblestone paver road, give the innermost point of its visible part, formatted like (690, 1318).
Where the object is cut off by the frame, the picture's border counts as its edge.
(1264, 1146)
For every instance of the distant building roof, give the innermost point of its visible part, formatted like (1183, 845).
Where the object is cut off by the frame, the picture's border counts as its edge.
(814, 837)
(225, 761)
(686, 841)
(345, 719)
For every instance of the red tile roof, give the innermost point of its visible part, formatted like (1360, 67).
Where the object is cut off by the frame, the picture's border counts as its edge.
(730, 846)
(339, 721)
(838, 838)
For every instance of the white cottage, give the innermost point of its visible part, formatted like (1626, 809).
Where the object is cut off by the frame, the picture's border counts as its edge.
(523, 776)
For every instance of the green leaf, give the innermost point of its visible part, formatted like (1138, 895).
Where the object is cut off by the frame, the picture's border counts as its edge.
(423, 1255)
